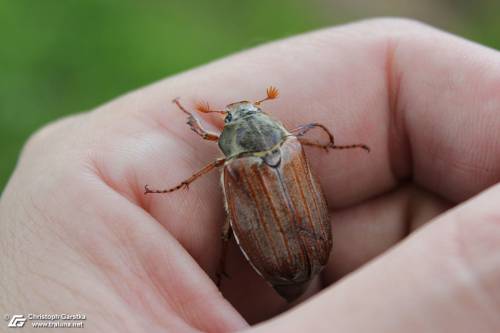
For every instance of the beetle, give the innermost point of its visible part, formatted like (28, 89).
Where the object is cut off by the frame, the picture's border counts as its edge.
(275, 207)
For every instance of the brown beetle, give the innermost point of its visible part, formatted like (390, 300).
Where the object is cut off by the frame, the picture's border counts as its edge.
(275, 206)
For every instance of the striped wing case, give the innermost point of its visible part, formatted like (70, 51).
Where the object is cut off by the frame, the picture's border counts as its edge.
(279, 217)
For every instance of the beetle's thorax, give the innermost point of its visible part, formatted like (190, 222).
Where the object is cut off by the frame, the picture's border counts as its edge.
(249, 130)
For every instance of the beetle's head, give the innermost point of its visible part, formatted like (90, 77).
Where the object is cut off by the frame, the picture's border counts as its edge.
(238, 110)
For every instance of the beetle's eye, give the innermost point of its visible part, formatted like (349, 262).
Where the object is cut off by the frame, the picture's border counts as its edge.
(228, 118)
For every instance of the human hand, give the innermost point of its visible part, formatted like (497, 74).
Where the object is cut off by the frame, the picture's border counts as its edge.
(79, 236)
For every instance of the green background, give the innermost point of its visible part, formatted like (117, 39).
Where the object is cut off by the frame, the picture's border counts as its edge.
(61, 57)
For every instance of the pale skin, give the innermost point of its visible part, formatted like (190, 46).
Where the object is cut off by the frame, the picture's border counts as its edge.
(78, 235)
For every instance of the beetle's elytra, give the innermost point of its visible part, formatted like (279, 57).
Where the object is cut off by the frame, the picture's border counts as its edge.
(275, 207)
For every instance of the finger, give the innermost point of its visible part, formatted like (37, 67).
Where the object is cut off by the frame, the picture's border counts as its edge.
(425, 101)
(445, 278)
(363, 232)
(117, 260)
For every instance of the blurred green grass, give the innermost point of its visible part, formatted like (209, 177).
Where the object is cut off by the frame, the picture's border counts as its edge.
(62, 57)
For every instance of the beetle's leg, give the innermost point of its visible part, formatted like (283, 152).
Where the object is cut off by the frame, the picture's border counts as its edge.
(207, 168)
(195, 125)
(271, 92)
(329, 145)
(303, 129)
(221, 270)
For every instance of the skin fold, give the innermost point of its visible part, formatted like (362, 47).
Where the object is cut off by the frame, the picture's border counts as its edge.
(416, 223)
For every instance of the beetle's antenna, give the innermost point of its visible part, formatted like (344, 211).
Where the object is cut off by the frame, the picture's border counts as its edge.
(204, 107)
(272, 93)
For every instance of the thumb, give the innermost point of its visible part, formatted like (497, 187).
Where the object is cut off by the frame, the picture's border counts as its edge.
(444, 278)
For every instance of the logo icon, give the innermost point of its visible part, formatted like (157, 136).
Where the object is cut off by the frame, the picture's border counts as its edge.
(17, 321)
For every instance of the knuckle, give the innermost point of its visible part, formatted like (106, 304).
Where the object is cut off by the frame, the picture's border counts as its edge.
(398, 22)
(45, 134)
(388, 28)
(41, 134)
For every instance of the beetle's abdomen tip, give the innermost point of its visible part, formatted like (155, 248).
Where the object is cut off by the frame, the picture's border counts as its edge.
(291, 292)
